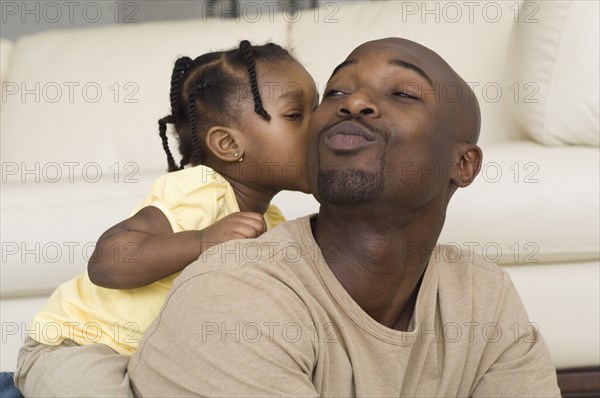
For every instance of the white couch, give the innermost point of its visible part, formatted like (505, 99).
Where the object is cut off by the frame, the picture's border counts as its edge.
(80, 146)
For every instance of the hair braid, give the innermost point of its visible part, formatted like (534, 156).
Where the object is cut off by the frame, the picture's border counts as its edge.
(184, 160)
(246, 49)
(192, 113)
(162, 132)
(181, 66)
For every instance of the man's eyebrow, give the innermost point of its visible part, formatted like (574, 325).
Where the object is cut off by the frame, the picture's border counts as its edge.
(343, 65)
(414, 68)
(397, 62)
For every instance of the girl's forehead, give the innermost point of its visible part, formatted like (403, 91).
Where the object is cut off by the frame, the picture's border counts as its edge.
(288, 76)
(281, 69)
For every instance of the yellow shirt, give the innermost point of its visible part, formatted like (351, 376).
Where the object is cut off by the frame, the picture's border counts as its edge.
(191, 199)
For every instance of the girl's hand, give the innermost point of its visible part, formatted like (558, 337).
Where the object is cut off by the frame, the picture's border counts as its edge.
(241, 225)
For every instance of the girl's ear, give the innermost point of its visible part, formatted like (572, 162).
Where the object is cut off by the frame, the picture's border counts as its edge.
(468, 166)
(225, 143)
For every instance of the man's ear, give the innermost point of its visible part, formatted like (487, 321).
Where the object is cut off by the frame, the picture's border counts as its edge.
(468, 166)
(225, 143)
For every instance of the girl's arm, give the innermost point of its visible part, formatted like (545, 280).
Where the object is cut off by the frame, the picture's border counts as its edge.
(144, 249)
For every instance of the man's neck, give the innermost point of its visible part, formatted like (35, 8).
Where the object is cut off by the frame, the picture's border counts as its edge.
(378, 258)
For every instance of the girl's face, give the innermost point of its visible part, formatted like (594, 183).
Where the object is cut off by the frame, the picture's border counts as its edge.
(275, 150)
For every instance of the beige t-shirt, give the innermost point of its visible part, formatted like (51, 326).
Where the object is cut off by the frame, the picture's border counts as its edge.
(267, 317)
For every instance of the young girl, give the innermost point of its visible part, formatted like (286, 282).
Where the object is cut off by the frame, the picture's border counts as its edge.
(241, 118)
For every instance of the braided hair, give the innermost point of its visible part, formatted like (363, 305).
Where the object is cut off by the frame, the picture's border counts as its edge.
(246, 49)
(205, 92)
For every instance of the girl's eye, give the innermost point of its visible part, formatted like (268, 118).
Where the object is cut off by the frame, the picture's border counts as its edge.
(293, 116)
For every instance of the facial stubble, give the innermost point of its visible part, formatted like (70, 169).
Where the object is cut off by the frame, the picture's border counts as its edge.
(349, 187)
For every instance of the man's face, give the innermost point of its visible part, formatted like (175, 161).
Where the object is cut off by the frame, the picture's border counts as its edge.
(381, 131)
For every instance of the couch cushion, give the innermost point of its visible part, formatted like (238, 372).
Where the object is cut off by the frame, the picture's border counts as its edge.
(530, 204)
(49, 230)
(446, 27)
(560, 54)
(95, 95)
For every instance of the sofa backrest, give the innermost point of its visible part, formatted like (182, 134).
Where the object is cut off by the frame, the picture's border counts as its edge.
(560, 54)
(99, 92)
(95, 95)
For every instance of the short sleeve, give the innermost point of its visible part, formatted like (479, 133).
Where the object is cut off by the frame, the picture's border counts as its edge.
(273, 216)
(227, 333)
(517, 360)
(192, 199)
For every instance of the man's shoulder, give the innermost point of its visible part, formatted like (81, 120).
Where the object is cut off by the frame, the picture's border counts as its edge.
(279, 255)
(282, 244)
(469, 273)
(466, 261)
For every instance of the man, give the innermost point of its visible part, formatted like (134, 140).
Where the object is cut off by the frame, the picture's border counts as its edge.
(357, 300)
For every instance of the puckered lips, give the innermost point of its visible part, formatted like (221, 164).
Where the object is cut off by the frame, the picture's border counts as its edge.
(348, 136)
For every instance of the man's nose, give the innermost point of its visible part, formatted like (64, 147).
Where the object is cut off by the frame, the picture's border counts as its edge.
(358, 103)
